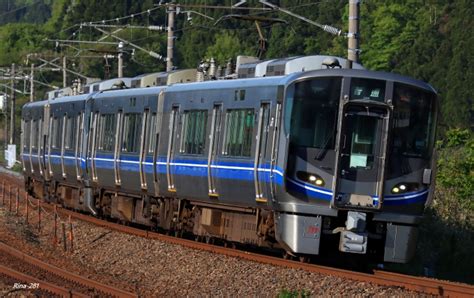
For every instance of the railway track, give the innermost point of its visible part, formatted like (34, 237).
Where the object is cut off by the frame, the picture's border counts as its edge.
(34, 274)
(414, 283)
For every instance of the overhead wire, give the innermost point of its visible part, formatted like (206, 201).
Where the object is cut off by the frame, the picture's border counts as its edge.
(19, 8)
(148, 12)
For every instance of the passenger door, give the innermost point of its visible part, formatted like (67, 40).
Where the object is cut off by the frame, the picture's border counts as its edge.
(156, 142)
(118, 147)
(45, 143)
(173, 126)
(362, 154)
(262, 152)
(78, 153)
(144, 148)
(214, 138)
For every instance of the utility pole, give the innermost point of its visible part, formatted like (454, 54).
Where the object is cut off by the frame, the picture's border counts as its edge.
(12, 106)
(353, 34)
(120, 60)
(64, 72)
(32, 83)
(169, 52)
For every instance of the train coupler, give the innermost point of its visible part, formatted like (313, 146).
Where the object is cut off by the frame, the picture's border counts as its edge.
(354, 236)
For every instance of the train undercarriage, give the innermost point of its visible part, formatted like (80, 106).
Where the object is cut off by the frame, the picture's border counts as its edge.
(230, 225)
(205, 221)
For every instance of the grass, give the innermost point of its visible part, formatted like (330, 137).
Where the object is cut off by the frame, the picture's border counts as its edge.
(293, 294)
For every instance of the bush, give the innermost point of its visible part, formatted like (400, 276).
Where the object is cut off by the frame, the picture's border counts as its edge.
(455, 178)
(447, 232)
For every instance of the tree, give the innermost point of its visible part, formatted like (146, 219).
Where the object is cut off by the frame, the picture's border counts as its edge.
(226, 46)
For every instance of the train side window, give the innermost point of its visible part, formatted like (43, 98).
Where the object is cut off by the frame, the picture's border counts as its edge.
(194, 132)
(107, 132)
(56, 133)
(151, 144)
(238, 132)
(70, 136)
(131, 133)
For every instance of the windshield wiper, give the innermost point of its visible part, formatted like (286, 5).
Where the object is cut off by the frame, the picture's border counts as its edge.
(325, 148)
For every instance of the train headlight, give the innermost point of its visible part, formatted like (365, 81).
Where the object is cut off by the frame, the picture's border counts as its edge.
(405, 187)
(311, 178)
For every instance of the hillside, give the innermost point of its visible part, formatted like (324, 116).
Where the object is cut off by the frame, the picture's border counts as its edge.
(428, 40)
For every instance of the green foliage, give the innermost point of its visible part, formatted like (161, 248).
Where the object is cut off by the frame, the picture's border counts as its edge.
(17, 40)
(456, 173)
(226, 46)
(293, 294)
(387, 29)
(446, 234)
(428, 40)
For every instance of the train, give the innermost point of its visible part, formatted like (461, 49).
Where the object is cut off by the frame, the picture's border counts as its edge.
(309, 163)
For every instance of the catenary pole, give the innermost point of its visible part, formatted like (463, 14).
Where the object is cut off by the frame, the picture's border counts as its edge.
(353, 34)
(12, 106)
(32, 83)
(120, 60)
(170, 46)
(64, 72)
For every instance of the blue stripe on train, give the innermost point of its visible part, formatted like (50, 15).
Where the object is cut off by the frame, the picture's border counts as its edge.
(230, 170)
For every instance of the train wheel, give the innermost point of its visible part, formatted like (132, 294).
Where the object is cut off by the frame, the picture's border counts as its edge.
(304, 259)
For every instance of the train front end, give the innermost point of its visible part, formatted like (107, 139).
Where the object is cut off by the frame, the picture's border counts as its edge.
(358, 163)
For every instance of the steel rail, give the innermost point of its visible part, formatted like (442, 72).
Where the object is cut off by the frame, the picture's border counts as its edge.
(65, 274)
(42, 285)
(414, 283)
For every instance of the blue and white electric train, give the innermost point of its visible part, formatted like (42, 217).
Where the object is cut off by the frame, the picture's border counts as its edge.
(311, 162)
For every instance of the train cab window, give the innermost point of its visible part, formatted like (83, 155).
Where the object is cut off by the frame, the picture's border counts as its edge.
(70, 134)
(151, 144)
(194, 132)
(239, 132)
(364, 89)
(314, 113)
(131, 133)
(413, 122)
(56, 133)
(107, 133)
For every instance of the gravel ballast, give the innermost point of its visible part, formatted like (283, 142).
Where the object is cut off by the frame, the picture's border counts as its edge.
(155, 268)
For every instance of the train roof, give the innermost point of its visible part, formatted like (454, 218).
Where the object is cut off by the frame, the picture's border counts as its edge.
(245, 83)
(64, 99)
(360, 73)
(225, 84)
(288, 79)
(129, 92)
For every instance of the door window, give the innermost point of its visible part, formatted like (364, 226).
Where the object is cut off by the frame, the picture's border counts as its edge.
(362, 142)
